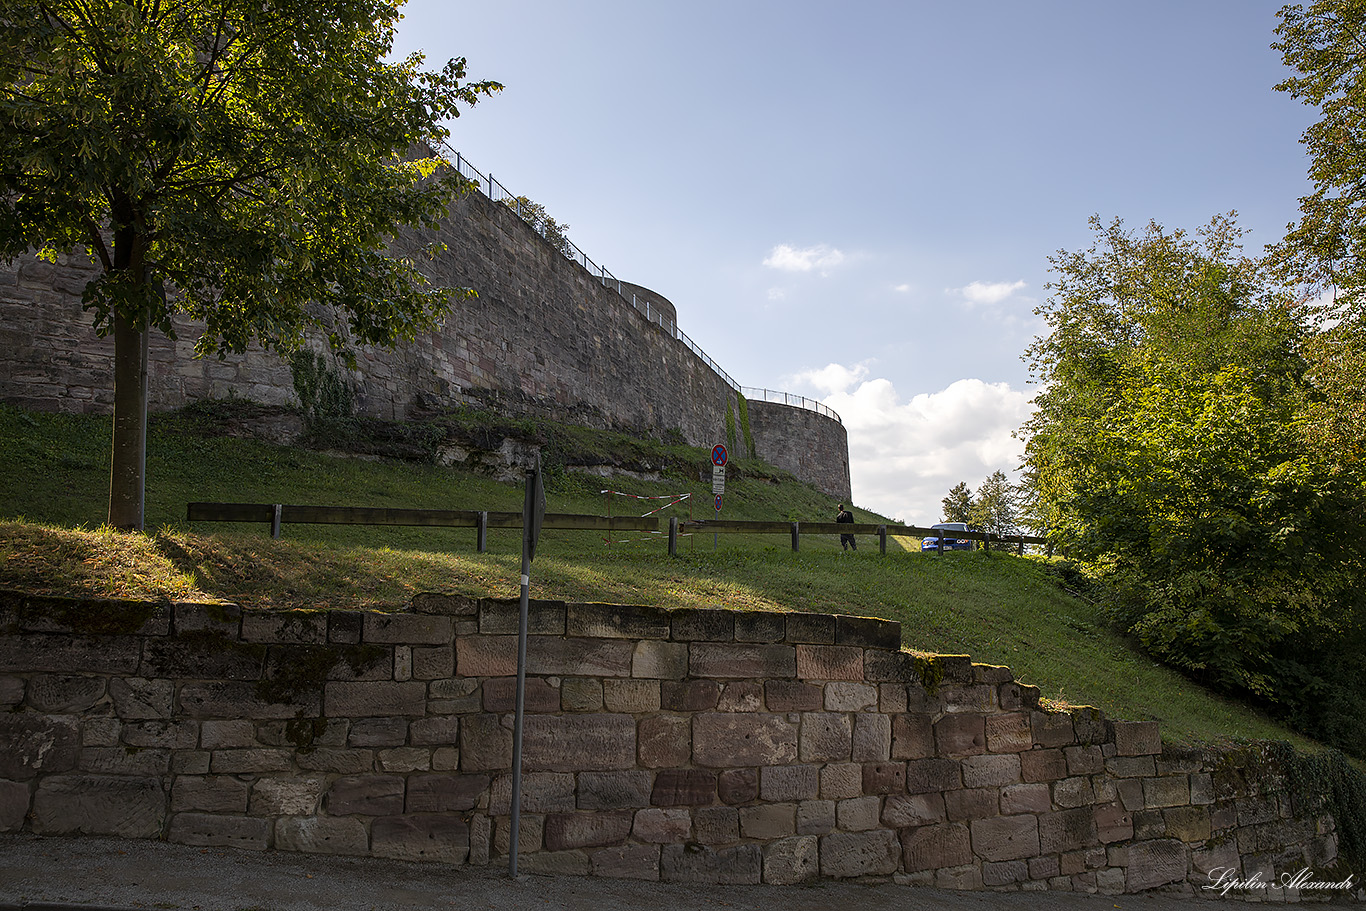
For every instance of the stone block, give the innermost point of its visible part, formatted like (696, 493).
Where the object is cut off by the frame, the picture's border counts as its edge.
(1137, 738)
(212, 794)
(659, 660)
(760, 626)
(664, 741)
(378, 732)
(251, 761)
(292, 795)
(1073, 792)
(101, 731)
(972, 803)
(1084, 760)
(213, 831)
(1004, 873)
(829, 662)
(11, 691)
(788, 782)
(661, 825)
(1005, 837)
(890, 666)
(288, 627)
(935, 847)
(1173, 791)
(964, 879)
(433, 662)
(1042, 765)
(365, 795)
(1025, 798)
(811, 629)
(1067, 830)
(858, 814)
(1091, 726)
(233, 699)
(321, 835)
(884, 777)
(1130, 791)
(500, 695)
(632, 697)
(1155, 863)
(815, 817)
(912, 737)
(224, 619)
(740, 660)
(679, 788)
(792, 696)
(435, 731)
(627, 862)
(872, 737)
(926, 775)
(991, 771)
(502, 616)
(741, 696)
(1188, 824)
(203, 655)
(692, 863)
(768, 821)
(406, 629)
(171, 735)
(124, 761)
(571, 743)
(619, 790)
(1009, 733)
(99, 805)
(849, 697)
(344, 626)
(867, 632)
(370, 698)
(692, 624)
(614, 621)
(445, 605)
(840, 780)
(826, 737)
(14, 805)
(443, 838)
(978, 698)
(485, 744)
(847, 854)
(1202, 789)
(956, 736)
(791, 860)
(37, 744)
(542, 792)
(1044, 867)
(61, 693)
(738, 786)
(486, 656)
(456, 695)
(1113, 823)
(530, 834)
(740, 740)
(59, 653)
(579, 657)
(339, 761)
(901, 811)
(566, 831)
(717, 825)
(445, 793)
(689, 695)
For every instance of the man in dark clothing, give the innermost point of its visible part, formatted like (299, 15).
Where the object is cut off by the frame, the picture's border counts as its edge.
(846, 541)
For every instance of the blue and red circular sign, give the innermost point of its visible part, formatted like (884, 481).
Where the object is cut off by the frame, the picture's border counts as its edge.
(718, 502)
(718, 454)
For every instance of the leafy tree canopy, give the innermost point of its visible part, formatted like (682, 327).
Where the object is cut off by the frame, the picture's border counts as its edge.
(958, 504)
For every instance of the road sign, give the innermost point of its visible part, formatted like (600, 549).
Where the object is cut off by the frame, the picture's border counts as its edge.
(718, 502)
(718, 479)
(719, 455)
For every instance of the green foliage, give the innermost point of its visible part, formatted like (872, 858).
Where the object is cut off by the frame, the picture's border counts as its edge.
(958, 504)
(534, 214)
(1168, 453)
(1328, 783)
(730, 427)
(996, 509)
(743, 407)
(324, 394)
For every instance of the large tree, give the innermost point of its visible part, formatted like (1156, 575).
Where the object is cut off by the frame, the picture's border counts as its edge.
(243, 163)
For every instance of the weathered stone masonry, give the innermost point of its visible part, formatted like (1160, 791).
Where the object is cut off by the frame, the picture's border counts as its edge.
(688, 745)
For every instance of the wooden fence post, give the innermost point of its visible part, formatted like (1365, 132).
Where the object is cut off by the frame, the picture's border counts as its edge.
(275, 521)
(673, 536)
(794, 537)
(481, 534)
(882, 538)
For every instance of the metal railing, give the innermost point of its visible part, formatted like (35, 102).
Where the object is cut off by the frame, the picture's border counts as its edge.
(754, 393)
(499, 193)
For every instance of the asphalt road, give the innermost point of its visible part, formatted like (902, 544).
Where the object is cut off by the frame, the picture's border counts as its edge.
(54, 874)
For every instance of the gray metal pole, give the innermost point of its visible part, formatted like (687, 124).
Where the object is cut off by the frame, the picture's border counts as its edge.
(520, 708)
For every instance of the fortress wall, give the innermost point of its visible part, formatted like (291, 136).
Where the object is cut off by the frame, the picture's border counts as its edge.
(806, 443)
(543, 337)
(686, 745)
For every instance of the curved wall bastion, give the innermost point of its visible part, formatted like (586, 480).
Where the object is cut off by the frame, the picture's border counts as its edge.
(689, 745)
(544, 337)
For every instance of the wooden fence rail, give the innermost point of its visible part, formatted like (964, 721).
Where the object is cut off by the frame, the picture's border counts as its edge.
(277, 514)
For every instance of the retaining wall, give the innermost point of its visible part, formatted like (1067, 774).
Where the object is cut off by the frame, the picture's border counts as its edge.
(544, 337)
(688, 745)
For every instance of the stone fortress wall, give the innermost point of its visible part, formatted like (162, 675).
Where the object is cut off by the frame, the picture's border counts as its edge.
(690, 745)
(544, 337)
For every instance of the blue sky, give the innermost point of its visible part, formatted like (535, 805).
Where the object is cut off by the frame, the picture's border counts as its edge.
(858, 202)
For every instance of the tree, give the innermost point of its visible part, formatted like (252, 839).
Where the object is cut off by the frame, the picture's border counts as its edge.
(240, 162)
(997, 508)
(1168, 452)
(534, 214)
(958, 504)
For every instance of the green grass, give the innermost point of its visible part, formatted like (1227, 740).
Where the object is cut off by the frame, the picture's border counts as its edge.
(999, 608)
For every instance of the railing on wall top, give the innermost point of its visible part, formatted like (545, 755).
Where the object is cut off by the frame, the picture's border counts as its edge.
(499, 193)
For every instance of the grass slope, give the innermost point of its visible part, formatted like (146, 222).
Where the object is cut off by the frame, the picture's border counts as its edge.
(999, 608)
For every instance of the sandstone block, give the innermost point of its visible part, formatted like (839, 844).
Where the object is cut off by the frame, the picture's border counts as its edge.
(406, 629)
(884, 778)
(445, 793)
(681, 788)
(661, 825)
(1113, 823)
(378, 732)
(788, 782)
(433, 662)
(664, 741)
(60, 693)
(902, 811)
(500, 695)
(99, 805)
(735, 660)
(487, 656)
(291, 627)
(627, 862)
(571, 743)
(815, 817)
(740, 865)
(1003, 873)
(234, 699)
(792, 696)
(991, 771)
(579, 657)
(614, 621)
(447, 605)
(293, 795)
(845, 854)
(37, 744)
(631, 697)
(689, 695)
(655, 659)
(741, 696)
(1042, 765)
(1073, 792)
(421, 838)
(212, 831)
(829, 662)
(1155, 863)
(739, 740)
(366, 795)
(1005, 837)
(737, 786)
(935, 847)
(1173, 791)
(926, 775)
(846, 696)
(618, 790)
(340, 761)
(1009, 733)
(872, 737)
(213, 794)
(243, 762)
(890, 666)
(485, 744)
(718, 825)
(791, 860)
(912, 737)
(867, 632)
(123, 761)
(59, 653)
(321, 835)
(972, 803)
(502, 616)
(1189, 824)
(374, 697)
(760, 626)
(1067, 830)
(702, 624)
(826, 737)
(812, 629)
(435, 731)
(858, 814)
(1084, 760)
(1052, 730)
(171, 735)
(14, 805)
(960, 735)
(1025, 798)
(565, 831)
(1137, 738)
(841, 780)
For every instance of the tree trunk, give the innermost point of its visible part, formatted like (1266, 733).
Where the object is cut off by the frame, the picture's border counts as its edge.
(127, 481)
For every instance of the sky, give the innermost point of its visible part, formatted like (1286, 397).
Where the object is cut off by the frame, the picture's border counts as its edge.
(857, 202)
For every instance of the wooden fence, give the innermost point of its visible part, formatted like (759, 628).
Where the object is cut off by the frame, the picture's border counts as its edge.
(278, 514)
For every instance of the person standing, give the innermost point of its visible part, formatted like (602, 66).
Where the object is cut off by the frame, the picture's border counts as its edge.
(846, 541)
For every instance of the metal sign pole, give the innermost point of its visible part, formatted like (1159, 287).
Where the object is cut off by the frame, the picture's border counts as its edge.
(533, 511)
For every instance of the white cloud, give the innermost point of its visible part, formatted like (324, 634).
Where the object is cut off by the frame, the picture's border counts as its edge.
(904, 456)
(902, 289)
(989, 292)
(776, 294)
(791, 259)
